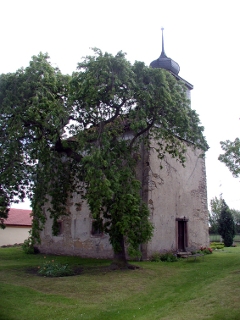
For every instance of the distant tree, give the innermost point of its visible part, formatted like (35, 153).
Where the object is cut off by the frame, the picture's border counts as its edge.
(236, 218)
(214, 215)
(226, 225)
(231, 157)
(4, 209)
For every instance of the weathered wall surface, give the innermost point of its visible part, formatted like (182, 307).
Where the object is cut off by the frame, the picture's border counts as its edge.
(175, 192)
(172, 193)
(12, 235)
(76, 237)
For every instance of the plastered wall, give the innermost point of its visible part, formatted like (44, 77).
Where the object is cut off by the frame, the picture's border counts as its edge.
(76, 237)
(172, 192)
(12, 235)
(175, 192)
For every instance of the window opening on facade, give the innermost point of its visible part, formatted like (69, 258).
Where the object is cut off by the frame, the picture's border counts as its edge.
(97, 228)
(60, 228)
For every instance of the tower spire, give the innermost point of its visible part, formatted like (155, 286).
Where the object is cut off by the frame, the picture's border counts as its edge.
(164, 62)
(163, 54)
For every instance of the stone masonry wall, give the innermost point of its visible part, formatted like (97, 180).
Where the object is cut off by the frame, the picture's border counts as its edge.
(76, 237)
(171, 193)
(175, 192)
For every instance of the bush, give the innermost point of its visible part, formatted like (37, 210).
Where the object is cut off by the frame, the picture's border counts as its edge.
(226, 225)
(205, 250)
(53, 269)
(228, 240)
(27, 246)
(217, 245)
(166, 256)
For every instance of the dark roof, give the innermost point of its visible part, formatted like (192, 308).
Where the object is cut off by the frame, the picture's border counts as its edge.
(187, 84)
(164, 62)
(169, 64)
(19, 217)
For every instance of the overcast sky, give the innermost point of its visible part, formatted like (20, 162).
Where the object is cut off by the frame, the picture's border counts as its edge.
(201, 36)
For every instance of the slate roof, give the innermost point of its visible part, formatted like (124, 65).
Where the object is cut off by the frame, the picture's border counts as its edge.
(169, 64)
(164, 62)
(18, 217)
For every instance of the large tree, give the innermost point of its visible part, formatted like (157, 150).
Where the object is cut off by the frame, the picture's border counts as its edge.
(62, 134)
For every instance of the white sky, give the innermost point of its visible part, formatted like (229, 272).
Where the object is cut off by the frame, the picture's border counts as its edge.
(202, 36)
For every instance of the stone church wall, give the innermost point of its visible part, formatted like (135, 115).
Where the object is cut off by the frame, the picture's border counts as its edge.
(176, 193)
(172, 193)
(75, 236)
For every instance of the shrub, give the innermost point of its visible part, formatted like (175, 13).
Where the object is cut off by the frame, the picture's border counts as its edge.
(155, 257)
(205, 250)
(53, 269)
(228, 240)
(217, 245)
(166, 256)
(226, 225)
(27, 246)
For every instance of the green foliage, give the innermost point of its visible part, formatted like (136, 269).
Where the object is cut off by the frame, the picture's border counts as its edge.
(62, 135)
(54, 269)
(236, 218)
(216, 245)
(166, 256)
(216, 207)
(228, 239)
(226, 226)
(4, 207)
(205, 250)
(231, 157)
(27, 246)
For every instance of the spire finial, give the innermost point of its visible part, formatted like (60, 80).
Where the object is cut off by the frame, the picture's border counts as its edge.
(163, 54)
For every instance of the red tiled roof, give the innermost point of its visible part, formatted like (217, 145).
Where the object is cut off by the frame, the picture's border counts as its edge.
(19, 217)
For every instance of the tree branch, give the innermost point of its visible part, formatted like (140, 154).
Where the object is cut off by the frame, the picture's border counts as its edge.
(140, 133)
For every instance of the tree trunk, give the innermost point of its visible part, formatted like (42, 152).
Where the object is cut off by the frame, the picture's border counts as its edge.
(119, 259)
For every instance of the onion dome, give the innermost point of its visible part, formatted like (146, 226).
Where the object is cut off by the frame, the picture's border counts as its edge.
(164, 62)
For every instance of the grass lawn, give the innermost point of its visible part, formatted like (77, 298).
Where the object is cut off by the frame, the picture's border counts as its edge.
(205, 289)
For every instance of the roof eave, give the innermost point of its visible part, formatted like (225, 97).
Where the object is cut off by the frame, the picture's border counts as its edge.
(188, 84)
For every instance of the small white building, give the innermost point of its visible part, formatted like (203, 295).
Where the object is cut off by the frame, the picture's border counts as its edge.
(18, 224)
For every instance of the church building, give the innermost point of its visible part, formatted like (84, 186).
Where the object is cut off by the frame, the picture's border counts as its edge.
(176, 196)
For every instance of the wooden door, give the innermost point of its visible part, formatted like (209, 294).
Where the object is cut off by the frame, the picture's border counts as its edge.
(182, 235)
